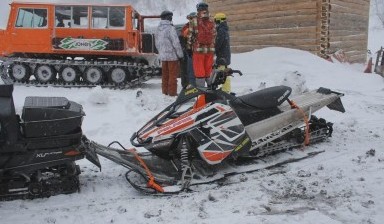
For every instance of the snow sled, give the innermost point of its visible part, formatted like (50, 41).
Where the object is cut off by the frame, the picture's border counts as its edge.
(38, 150)
(208, 134)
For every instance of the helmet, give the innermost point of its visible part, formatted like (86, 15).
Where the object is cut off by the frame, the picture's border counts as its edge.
(202, 6)
(191, 15)
(220, 17)
(166, 15)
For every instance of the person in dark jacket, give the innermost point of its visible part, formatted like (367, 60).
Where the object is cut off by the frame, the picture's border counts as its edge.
(188, 58)
(222, 46)
(186, 72)
(183, 62)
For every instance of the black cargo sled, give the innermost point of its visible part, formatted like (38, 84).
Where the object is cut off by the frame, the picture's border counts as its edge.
(38, 150)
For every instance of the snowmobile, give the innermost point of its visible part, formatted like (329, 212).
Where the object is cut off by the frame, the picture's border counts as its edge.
(38, 150)
(207, 134)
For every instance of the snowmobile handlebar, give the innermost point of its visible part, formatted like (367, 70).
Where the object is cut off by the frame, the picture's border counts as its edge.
(220, 76)
(236, 72)
(136, 144)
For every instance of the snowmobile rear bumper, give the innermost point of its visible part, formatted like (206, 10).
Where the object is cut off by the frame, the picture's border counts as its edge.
(336, 105)
(89, 152)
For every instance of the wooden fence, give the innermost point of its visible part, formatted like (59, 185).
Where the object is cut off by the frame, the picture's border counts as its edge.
(318, 26)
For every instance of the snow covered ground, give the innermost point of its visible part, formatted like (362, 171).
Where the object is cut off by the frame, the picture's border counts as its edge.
(342, 185)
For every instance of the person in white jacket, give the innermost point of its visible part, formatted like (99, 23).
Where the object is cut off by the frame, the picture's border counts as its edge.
(170, 52)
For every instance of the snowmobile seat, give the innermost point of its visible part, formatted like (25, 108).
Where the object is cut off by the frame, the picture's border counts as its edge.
(267, 98)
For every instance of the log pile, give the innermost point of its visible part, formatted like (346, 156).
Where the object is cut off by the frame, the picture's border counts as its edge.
(318, 26)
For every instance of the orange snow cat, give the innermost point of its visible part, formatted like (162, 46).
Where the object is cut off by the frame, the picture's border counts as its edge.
(100, 34)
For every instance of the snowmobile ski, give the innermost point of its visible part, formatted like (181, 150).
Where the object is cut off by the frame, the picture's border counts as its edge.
(167, 174)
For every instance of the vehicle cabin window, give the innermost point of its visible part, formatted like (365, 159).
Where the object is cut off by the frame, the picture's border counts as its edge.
(135, 20)
(71, 16)
(108, 17)
(32, 18)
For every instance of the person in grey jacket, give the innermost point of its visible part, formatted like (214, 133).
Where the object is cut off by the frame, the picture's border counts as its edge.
(170, 52)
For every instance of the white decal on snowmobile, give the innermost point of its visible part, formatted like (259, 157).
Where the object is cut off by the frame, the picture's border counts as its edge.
(42, 155)
(190, 91)
(175, 124)
(283, 96)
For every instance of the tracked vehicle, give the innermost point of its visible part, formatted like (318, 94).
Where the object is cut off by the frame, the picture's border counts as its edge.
(70, 44)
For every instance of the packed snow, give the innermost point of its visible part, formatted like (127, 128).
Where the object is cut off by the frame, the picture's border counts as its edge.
(342, 185)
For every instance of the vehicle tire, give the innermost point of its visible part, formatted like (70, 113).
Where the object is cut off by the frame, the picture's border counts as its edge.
(69, 74)
(35, 189)
(142, 61)
(93, 75)
(118, 76)
(20, 72)
(45, 73)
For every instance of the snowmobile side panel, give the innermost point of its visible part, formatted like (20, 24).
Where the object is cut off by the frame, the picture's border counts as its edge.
(224, 134)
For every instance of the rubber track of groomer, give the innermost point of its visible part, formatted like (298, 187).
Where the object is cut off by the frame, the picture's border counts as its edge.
(139, 72)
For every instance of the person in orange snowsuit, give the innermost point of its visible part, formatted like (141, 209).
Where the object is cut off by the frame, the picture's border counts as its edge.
(201, 43)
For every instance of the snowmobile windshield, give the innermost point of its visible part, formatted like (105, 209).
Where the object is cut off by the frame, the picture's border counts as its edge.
(176, 110)
(183, 103)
